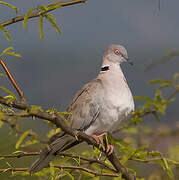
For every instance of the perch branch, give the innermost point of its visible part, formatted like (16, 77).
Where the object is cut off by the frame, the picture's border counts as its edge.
(81, 136)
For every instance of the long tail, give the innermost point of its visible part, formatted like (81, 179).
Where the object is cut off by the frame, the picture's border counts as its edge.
(59, 143)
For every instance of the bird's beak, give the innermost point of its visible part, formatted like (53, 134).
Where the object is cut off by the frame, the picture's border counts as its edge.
(129, 61)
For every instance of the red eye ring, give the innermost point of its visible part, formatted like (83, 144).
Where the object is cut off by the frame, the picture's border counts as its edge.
(117, 51)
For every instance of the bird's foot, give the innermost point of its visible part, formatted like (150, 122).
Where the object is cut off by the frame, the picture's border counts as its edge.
(110, 149)
(107, 147)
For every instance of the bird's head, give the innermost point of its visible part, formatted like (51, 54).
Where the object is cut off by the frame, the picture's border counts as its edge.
(117, 53)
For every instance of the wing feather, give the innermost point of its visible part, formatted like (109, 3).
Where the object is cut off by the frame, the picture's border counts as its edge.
(85, 105)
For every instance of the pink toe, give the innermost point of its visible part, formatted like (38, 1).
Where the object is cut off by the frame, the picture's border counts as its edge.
(110, 149)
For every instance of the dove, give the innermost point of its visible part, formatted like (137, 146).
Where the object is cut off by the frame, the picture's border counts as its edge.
(98, 108)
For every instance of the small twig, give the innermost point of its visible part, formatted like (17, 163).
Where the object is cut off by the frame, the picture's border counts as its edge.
(19, 155)
(13, 169)
(87, 170)
(171, 95)
(38, 13)
(11, 78)
(91, 160)
(155, 159)
(64, 167)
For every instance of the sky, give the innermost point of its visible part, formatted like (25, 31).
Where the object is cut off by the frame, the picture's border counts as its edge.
(52, 70)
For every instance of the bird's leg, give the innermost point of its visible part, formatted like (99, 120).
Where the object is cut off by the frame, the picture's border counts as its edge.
(99, 139)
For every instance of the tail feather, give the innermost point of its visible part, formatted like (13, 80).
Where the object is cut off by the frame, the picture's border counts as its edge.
(59, 144)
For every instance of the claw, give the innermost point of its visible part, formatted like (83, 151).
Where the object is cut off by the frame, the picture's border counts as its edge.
(99, 139)
(110, 149)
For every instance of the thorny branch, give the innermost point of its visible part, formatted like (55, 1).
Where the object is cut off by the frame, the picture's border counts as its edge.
(38, 13)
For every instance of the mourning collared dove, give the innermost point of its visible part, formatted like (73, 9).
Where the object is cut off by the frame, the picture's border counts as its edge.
(98, 108)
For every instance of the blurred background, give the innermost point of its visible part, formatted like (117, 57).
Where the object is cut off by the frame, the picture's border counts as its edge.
(52, 70)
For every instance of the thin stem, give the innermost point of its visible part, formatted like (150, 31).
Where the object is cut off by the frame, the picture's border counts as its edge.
(11, 78)
(65, 167)
(38, 13)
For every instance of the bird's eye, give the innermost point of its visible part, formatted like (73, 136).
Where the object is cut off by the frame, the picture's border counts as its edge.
(117, 51)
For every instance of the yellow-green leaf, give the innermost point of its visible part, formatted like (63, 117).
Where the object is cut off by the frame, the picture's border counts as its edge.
(24, 23)
(17, 152)
(6, 33)
(12, 54)
(68, 174)
(142, 98)
(52, 20)
(41, 27)
(9, 5)
(22, 137)
(8, 91)
(10, 48)
(159, 81)
(29, 142)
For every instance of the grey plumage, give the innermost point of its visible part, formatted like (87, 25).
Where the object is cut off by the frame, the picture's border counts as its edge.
(98, 107)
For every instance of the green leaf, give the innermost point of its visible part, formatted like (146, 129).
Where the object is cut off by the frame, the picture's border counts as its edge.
(9, 92)
(22, 137)
(159, 81)
(8, 51)
(176, 77)
(35, 109)
(42, 8)
(9, 5)
(142, 98)
(41, 27)
(12, 54)
(128, 155)
(69, 175)
(52, 20)
(52, 171)
(10, 48)
(166, 168)
(24, 23)
(9, 164)
(53, 5)
(6, 33)
(2, 158)
(53, 132)
(17, 152)
(61, 115)
(77, 160)
(29, 142)
(88, 174)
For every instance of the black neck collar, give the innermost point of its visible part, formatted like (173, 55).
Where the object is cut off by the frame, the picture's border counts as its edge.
(105, 68)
